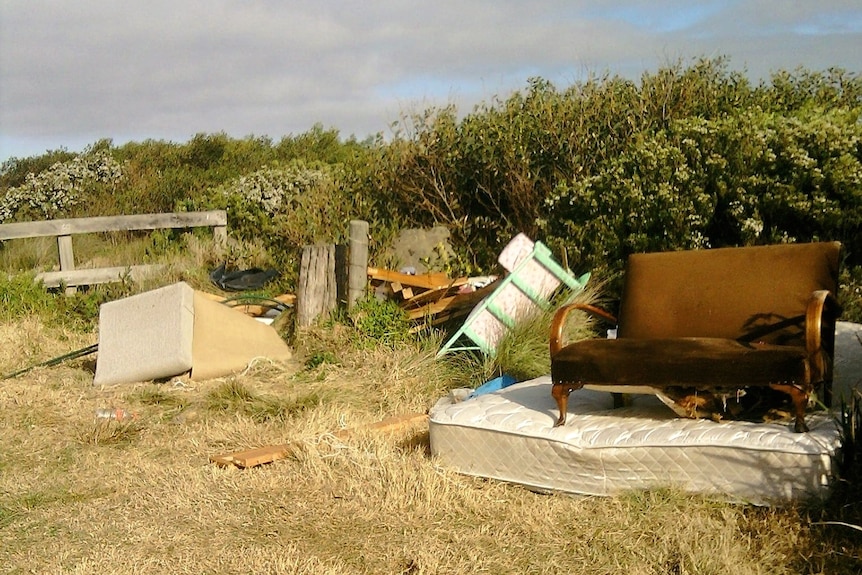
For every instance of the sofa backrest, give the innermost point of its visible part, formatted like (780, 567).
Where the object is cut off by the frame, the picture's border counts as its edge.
(735, 293)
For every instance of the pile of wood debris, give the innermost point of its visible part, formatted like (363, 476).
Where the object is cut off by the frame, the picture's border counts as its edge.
(433, 297)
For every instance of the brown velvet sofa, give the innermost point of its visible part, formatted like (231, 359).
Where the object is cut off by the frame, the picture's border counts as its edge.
(706, 329)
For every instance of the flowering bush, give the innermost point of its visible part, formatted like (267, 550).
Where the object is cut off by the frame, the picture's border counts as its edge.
(295, 204)
(285, 208)
(52, 192)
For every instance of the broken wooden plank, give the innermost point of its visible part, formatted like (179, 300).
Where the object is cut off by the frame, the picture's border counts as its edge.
(424, 281)
(442, 305)
(431, 308)
(394, 424)
(254, 457)
(271, 453)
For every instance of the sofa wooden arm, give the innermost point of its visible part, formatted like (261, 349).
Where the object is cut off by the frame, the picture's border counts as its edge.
(822, 311)
(559, 322)
(822, 303)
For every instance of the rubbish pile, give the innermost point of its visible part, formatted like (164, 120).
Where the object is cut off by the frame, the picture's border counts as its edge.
(434, 297)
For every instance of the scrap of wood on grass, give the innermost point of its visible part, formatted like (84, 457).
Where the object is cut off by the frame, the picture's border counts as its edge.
(270, 453)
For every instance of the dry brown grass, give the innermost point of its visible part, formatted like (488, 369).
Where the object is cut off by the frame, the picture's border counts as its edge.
(140, 496)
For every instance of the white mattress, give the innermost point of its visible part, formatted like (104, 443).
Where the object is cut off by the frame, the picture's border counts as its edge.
(509, 435)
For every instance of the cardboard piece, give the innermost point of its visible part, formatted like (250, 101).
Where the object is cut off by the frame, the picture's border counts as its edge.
(226, 340)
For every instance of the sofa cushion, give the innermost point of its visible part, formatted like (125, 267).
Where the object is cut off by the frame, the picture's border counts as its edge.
(726, 292)
(711, 362)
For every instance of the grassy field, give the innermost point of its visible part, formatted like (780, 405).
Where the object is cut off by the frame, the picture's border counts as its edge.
(140, 496)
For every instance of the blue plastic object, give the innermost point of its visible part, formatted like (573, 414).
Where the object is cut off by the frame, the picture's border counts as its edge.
(495, 384)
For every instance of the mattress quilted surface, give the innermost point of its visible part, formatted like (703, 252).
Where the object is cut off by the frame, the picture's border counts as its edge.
(509, 435)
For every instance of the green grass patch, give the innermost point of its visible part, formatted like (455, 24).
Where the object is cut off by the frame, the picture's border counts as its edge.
(232, 396)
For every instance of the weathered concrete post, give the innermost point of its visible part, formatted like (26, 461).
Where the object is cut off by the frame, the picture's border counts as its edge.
(357, 273)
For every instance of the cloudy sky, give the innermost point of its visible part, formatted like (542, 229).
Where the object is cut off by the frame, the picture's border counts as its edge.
(73, 72)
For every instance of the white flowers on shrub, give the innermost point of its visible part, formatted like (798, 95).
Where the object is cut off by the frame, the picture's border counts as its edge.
(273, 189)
(53, 191)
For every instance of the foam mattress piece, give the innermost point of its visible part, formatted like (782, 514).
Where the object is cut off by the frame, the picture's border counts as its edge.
(146, 336)
(509, 435)
(175, 330)
(848, 362)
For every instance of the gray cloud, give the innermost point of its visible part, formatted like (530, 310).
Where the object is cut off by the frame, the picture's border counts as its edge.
(71, 73)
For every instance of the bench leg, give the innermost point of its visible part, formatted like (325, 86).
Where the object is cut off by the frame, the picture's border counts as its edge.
(800, 403)
(560, 392)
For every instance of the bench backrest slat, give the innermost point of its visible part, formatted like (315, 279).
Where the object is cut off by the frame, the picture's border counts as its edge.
(71, 226)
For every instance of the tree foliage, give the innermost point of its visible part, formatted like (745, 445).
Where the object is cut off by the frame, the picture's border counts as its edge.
(688, 156)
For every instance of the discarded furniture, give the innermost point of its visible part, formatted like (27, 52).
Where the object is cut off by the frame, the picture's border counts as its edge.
(65, 228)
(708, 330)
(176, 330)
(534, 276)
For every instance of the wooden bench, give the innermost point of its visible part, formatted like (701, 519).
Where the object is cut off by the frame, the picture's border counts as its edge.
(64, 229)
(713, 332)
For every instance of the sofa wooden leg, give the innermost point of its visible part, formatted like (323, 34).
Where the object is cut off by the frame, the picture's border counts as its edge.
(800, 403)
(560, 392)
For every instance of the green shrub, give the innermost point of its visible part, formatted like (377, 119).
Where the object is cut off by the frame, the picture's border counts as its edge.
(21, 296)
(689, 156)
(379, 323)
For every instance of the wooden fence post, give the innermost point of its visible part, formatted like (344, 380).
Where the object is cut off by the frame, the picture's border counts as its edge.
(220, 235)
(67, 258)
(342, 268)
(357, 273)
(316, 290)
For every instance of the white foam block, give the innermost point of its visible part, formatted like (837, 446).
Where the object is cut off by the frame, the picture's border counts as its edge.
(848, 362)
(146, 336)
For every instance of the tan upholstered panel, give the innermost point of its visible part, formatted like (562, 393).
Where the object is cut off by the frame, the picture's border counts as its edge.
(725, 292)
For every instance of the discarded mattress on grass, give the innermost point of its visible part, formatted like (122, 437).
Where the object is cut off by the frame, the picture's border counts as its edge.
(509, 435)
(175, 330)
